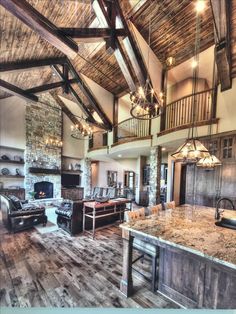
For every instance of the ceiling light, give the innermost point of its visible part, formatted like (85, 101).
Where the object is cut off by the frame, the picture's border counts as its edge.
(163, 149)
(200, 6)
(119, 155)
(170, 61)
(194, 64)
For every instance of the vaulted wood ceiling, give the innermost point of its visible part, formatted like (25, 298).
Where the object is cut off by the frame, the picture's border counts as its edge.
(173, 34)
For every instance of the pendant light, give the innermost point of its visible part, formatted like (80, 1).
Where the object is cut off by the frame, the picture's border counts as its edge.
(210, 162)
(193, 150)
(82, 130)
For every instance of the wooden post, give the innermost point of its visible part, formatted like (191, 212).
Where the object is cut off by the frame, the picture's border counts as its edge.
(164, 90)
(126, 285)
(115, 118)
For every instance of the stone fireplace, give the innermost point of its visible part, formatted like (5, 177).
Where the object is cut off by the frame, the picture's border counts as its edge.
(43, 120)
(43, 190)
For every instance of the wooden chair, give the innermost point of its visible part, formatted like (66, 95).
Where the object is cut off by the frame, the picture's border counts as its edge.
(170, 205)
(145, 248)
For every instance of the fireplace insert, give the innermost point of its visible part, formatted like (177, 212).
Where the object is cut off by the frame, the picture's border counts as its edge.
(43, 190)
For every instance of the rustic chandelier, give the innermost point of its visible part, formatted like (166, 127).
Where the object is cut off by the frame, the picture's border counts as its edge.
(82, 130)
(145, 104)
(209, 163)
(53, 143)
(193, 150)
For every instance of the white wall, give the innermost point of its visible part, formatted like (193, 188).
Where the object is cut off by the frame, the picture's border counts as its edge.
(151, 61)
(124, 106)
(104, 98)
(71, 147)
(117, 165)
(226, 109)
(12, 122)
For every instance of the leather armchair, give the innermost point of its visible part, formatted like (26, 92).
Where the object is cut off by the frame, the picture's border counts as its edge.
(18, 215)
(69, 216)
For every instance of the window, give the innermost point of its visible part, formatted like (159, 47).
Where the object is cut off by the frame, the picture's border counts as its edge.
(227, 147)
(213, 147)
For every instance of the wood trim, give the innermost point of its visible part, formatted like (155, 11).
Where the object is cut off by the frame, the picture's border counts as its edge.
(149, 137)
(186, 126)
(97, 148)
(38, 23)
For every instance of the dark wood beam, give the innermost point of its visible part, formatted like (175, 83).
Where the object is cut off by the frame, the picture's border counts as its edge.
(48, 87)
(79, 101)
(66, 110)
(131, 48)
(85, 34)
(221, 17)
(111, 15)
(14, 90)
(119, 53)
(66, 76)
(88, 94)
(29, 64)
(37, 22)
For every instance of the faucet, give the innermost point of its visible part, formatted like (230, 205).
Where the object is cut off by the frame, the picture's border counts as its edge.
(217, 213)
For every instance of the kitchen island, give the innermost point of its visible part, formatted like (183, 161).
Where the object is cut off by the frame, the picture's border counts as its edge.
(197, 262)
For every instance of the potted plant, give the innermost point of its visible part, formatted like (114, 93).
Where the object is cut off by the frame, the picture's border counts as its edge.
(32, 194)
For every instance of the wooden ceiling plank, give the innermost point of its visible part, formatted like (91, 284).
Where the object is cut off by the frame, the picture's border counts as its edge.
(221, 14)
(29, 64)
(88, 94)
(14, 90)
(36, 21)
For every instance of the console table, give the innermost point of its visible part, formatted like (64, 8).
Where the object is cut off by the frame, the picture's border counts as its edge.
(95, 210)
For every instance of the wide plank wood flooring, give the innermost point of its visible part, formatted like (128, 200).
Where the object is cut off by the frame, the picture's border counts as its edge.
(57, 270)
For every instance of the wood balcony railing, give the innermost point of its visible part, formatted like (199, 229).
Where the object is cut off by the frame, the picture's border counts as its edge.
(180, 113)
(98, 140)
(130, 129)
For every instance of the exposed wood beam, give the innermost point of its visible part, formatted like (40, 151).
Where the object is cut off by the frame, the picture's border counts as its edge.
(85, 34)
(66, 110)
(111, 15)
(79, 101)
(29, 64)
(48, 87)
(66, 76)
(221, 15)
(132, 51)
(37, 22)
(14, 90)
(88, 94)
(119, 53)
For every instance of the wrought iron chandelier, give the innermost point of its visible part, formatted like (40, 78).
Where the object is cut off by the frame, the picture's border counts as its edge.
(145, 103)
(193, 150)
(82, 130)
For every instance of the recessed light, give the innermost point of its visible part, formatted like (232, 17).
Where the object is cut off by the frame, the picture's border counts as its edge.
(163, 149)
(119, 155)
(200, 6)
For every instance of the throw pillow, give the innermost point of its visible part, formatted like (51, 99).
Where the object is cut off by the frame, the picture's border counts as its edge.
(16, 202)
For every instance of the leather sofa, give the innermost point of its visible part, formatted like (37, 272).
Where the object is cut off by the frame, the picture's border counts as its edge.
(69, 216)
(18, 215)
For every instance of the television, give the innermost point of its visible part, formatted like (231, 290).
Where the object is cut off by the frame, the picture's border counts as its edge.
(70, 180)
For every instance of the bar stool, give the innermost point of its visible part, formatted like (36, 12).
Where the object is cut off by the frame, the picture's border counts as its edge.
(145, 248)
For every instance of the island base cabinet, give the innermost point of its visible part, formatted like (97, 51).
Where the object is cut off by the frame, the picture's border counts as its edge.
(195, 281)
(220, 287)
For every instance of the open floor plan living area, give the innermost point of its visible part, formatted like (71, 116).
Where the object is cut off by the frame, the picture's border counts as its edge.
(117, 154)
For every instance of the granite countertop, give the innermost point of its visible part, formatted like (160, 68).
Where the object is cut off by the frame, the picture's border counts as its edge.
(191, 228)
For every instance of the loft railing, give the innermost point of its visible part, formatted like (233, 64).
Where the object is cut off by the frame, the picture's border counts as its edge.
(180, 112)
(130, 129)
(98, 140)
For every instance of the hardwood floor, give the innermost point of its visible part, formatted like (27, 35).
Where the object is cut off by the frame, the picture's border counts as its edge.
(57, 270)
